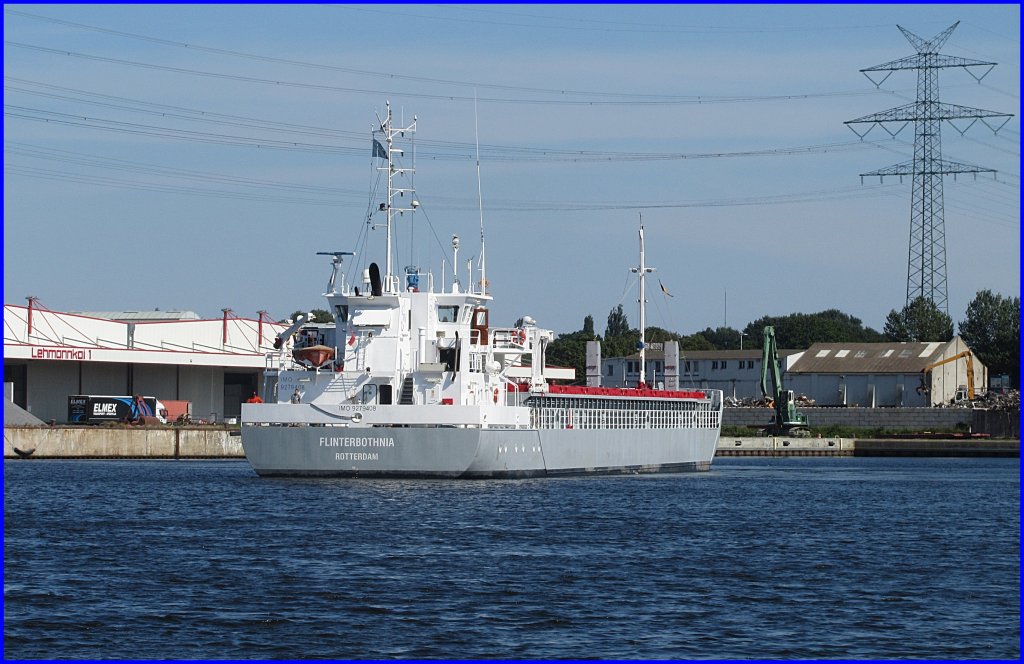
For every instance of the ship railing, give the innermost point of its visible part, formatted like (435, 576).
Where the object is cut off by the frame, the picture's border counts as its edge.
(589, 417)
(512, 387)
(510, 338)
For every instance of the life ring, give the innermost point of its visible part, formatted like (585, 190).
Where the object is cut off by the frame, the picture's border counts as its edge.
(522, 337)
(495, 395)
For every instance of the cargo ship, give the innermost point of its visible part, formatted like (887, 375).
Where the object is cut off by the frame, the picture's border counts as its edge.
(414, 381)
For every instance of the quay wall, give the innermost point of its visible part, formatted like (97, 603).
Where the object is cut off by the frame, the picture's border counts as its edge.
(73, 442)
(996, 423)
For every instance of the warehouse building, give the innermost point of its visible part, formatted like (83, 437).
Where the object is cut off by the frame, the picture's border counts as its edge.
(213, 365)
(886, 374)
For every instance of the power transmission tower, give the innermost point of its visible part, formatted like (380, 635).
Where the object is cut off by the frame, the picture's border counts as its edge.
(926, 261)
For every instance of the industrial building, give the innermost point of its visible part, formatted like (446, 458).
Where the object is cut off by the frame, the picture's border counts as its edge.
(886, 374)
(831, 374)
(214, 365)
(736, 372)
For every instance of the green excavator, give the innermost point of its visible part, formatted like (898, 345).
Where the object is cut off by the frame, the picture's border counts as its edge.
(787, 421)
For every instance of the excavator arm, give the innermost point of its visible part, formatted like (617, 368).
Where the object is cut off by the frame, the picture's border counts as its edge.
(787, 418)
(926, 372)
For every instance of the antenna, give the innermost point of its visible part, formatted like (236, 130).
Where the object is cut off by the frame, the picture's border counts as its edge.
(455, 264)
(480, 198)
(642, 270)
(390, 152)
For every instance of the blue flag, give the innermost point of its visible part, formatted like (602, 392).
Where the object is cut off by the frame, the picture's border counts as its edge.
(378, 150)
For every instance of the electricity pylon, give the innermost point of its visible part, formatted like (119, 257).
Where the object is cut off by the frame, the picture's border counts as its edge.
(926, 261)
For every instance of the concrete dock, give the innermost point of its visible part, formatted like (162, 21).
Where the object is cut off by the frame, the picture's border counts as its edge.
(206, 442)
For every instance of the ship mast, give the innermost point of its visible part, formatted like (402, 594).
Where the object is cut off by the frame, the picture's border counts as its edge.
(642, 270)
(391, 207)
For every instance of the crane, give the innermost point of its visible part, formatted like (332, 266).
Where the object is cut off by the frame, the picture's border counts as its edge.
(926, 374)
(787, 420)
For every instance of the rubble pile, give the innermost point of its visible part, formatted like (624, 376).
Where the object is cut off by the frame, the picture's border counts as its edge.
(765, 402)
(1009, 401)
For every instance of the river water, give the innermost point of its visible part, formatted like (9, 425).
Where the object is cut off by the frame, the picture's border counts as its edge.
(761, 558)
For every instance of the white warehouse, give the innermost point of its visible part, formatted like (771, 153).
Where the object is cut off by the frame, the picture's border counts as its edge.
(213, 364)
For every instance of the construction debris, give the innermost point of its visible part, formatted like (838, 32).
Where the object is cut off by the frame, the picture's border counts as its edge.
(764, 402)
(1009, 401)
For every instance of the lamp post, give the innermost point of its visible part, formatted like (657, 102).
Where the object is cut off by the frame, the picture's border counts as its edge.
(742, 334)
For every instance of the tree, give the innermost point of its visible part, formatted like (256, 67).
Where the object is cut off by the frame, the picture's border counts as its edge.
(316, 315)
(588, 325)
(570, 350)
(992, 331)
(321, 316)
(921, 320)
(803, 330)
(618, 325)
(722, 338)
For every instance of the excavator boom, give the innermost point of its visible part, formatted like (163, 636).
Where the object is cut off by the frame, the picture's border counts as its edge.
(787, 418)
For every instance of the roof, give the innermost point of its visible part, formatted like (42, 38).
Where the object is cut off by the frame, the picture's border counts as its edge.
(889, 357)
(140, 316)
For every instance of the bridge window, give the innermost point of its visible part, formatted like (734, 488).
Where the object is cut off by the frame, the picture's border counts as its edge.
(448, 313)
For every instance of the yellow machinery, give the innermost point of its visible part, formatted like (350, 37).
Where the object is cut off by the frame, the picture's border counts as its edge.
(926, 372)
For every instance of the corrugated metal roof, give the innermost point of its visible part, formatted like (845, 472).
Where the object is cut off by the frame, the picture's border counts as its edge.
(891, 357)
(140, 316)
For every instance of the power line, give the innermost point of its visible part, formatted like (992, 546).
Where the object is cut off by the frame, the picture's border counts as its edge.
(619, 99)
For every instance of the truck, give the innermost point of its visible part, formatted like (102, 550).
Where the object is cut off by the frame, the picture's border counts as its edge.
(94, 409)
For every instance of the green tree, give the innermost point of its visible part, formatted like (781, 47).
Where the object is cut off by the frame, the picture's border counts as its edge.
(618, 325)
(570, 350)
(803, 330)
(921, 320)
(317, 315)
(992, 330)
(722, 338)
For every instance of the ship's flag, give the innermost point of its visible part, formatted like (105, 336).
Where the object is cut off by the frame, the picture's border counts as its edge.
(378, 150)
(663, 289)
(352, 339)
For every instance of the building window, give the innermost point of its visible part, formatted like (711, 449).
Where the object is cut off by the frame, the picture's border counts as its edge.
(714, 365)
(608, 370)
(657, 367)
(687, 367)
(696, 366)
(724, 364)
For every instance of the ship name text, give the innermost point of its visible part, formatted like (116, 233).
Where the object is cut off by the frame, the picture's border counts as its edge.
(356, 441)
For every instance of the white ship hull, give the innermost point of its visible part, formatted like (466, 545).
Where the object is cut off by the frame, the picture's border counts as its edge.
(473, 452)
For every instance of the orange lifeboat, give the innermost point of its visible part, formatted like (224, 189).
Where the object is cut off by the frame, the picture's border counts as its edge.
(314, 356)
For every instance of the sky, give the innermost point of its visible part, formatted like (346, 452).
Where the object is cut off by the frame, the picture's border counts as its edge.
(197, 157)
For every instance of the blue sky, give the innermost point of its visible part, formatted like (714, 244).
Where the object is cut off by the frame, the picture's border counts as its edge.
(198, 156)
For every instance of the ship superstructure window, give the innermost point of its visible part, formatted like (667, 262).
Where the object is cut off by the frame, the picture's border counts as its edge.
(447, 313)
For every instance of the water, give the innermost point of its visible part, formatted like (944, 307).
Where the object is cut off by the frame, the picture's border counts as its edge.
(760, 558)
